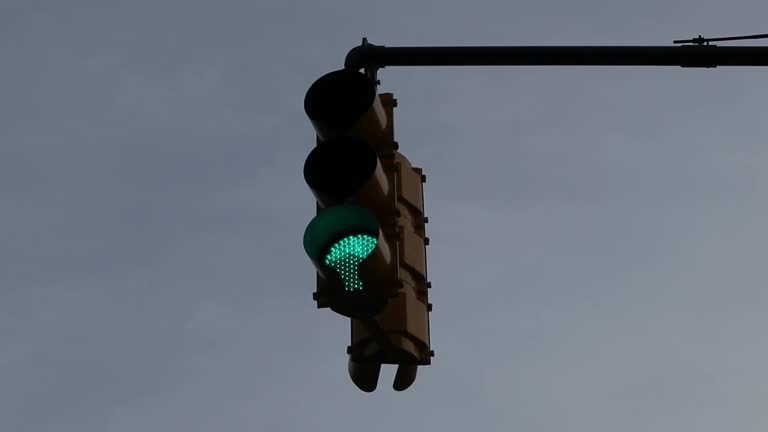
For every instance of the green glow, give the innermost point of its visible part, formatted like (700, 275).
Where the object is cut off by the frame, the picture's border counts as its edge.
(346, 255)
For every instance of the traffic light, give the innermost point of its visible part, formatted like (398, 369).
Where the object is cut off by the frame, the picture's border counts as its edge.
(367, 240)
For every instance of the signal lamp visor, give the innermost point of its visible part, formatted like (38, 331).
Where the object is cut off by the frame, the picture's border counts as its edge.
(337, 170)
(337, 100)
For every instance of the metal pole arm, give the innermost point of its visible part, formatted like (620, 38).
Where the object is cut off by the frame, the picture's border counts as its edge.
(371, 56)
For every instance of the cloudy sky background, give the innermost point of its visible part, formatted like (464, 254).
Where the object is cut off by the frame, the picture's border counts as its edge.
(599, 235)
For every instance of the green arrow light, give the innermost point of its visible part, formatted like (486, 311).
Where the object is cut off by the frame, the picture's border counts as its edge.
(340, 238)
(346, 255)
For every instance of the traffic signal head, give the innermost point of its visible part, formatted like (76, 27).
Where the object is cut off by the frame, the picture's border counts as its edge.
(357, 272)
(367, 240)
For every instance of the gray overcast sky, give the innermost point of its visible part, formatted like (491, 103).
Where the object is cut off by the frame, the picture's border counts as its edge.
(599, 235)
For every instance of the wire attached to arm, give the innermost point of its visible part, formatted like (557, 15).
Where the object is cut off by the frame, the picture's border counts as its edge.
(705, 41)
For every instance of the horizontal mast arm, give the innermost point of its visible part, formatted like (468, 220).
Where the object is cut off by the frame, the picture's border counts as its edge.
(701, 56)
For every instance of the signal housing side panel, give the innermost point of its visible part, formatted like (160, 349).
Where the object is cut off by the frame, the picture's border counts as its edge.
(405, 319)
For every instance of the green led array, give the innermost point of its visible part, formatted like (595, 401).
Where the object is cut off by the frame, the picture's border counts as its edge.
(346, 255)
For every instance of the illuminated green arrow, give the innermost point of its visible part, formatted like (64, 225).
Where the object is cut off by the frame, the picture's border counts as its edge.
(346, 255)
(341, 238)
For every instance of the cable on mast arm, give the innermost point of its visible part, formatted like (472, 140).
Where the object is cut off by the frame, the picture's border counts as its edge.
(705, 41)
